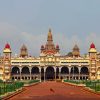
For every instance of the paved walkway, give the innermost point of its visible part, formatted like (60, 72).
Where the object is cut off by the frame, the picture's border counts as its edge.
(55, 91)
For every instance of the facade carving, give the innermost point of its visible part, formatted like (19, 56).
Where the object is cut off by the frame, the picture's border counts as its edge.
(50, 64)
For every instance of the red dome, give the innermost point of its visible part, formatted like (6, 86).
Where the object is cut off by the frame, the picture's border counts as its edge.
(7, 46)
(92, 45)
(57, 46)
(42, 46)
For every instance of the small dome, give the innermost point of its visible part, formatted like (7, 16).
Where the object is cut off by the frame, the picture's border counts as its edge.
(7, 46)
(92, 45)
(42, 46)
(57, 46)
(23, 47)
(76, 47)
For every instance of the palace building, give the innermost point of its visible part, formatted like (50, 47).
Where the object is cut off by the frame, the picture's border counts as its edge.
(50, 64)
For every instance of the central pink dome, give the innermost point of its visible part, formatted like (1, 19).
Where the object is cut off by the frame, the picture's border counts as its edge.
(92, 45)
(7, 46)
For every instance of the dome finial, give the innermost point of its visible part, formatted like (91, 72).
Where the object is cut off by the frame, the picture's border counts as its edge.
(49, 38)
(92, 45)
(50, 30)
(7, 46)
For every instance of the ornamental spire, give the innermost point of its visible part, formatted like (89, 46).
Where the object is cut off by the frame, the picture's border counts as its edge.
(49, 38)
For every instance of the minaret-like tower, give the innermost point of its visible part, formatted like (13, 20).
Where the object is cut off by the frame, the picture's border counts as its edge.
(76, 51)
(7, 63)
(50, 48)
(92, 56)
(50, 45)
(57, 48)
(23, 51)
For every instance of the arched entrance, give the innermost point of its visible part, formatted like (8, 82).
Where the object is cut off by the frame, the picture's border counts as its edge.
(25, 70)
(74, 70)
(42, 74)
(50, 74)
(35, 73)
(84, 70)
(74, 73)
(15, 70)
(35, 70)
(64, 70)
(57, 73)
(84, 73)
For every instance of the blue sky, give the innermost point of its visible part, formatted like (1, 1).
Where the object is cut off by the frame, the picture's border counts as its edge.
(27, 22)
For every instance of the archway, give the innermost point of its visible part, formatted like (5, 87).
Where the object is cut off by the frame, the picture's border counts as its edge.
(42, 73)
(15, 70)
(25, 70)
(57, 73)
(35, 70)
(64, 70)
(84, 70)
(50, 74)
(74, 70)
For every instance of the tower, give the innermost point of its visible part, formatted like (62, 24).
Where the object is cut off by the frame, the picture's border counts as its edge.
(57, 48)
(7, 62)
(49, 47)
(49, 52)
(23, 51)
(92, 57)
(42, 48)
(76, 51)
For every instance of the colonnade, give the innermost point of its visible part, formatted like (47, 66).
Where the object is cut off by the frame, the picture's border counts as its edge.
(62, 72)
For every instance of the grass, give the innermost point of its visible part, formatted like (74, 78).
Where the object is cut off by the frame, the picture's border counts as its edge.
(29, 81)
(6, 87)
(95, 85)
(10, 87)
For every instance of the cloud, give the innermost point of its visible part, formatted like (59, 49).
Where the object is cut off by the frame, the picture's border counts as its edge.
(13, 35)
(16, 38)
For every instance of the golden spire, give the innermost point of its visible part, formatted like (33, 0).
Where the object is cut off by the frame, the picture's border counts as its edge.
(49, 36)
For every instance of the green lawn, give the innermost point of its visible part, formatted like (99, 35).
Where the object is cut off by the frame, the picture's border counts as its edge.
(29, 81)
(91, 84)
(10, 87)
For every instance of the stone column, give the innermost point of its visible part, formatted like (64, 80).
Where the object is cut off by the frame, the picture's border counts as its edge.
(55, 72)
(60, 72)
(44, 73)
(69, 72)
(40, 73)
(20, 69)
(79, 73)
(73, 74)
(30, 72)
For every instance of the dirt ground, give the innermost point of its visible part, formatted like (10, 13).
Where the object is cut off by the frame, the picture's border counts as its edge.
(55, 91)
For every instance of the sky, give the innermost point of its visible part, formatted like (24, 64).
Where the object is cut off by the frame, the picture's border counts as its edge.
(28, 21)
